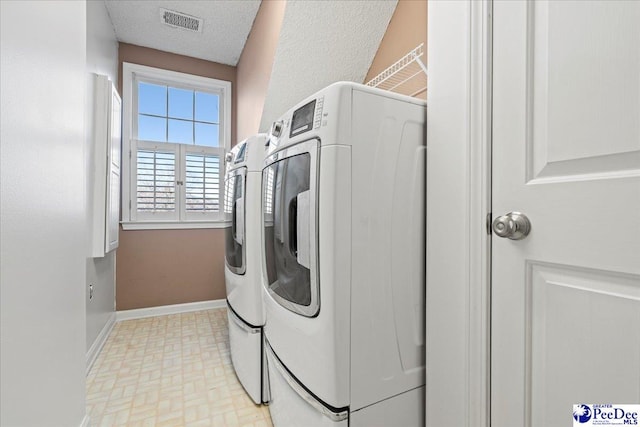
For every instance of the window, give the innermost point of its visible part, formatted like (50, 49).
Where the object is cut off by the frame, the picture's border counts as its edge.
(177, 130)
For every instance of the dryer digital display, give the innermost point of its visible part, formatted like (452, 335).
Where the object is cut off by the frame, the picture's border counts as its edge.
(302, 120)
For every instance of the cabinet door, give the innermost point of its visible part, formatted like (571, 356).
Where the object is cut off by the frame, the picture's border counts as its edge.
(113, 182)
(106, 167)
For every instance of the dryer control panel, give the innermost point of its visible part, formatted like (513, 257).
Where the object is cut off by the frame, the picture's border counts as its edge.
(295, 123)
(302, 119)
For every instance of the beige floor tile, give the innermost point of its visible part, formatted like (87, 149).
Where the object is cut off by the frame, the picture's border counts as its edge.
(170, 371)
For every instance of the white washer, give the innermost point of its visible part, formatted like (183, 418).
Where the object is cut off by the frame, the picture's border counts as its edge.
(344, 272)
(243, 261)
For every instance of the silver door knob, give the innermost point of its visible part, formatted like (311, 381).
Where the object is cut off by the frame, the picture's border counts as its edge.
(514, 225)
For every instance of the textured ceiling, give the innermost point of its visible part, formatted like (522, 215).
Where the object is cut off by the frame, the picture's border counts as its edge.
(226, 26)
(322, 42)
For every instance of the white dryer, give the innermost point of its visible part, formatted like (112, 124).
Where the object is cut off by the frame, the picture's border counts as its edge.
(243, 262)
(344, 263)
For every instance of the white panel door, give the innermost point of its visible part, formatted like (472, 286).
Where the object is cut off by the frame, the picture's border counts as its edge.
(566, 153)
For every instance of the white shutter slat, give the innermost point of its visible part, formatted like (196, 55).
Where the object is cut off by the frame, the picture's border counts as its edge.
(202, 183)
(156, 190)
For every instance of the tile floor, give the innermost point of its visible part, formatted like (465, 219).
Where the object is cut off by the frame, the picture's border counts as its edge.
(170, 371)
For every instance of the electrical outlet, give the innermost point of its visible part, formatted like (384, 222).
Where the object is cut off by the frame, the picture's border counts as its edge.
(90, 292)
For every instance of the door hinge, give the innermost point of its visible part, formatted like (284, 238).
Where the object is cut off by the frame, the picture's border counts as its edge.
(129, 153)
(489, 221)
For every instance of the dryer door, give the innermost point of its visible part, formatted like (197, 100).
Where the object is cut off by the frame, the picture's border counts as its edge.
(234, 212)
(290, 232)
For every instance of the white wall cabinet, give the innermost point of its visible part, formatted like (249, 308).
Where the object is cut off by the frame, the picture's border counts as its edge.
(106, 192)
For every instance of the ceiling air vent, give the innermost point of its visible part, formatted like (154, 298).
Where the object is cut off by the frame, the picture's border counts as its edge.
(180, 20)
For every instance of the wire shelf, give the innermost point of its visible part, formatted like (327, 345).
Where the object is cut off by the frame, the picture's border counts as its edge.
(408, 75)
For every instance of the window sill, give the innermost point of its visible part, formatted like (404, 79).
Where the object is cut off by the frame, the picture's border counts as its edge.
(172, 225)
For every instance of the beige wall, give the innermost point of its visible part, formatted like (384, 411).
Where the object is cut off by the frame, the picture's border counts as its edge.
(255, 64)
(406, 30)
(161, 267)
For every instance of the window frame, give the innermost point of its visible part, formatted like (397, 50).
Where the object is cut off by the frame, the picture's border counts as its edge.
(131, 220)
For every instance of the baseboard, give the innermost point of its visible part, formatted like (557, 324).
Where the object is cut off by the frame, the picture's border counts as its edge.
(140, 313)
(86, 422)
(97, 345)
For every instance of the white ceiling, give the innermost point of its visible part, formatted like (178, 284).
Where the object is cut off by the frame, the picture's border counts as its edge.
(322, 42)
(225, 29)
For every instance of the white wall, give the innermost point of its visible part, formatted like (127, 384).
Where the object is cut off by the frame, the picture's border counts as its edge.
(42, 226)
(102, 58)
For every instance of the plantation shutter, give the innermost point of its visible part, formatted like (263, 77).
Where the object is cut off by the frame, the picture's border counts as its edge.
(156, 193)
(203, 183)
